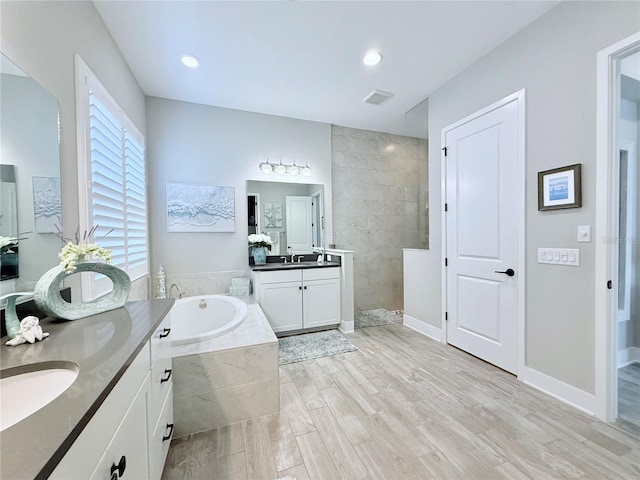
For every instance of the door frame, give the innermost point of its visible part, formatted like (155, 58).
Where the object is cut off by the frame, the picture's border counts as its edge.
(520, 98)
(607, 110)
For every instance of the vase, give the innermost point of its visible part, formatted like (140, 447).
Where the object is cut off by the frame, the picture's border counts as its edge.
(47, 292)
(259, 255)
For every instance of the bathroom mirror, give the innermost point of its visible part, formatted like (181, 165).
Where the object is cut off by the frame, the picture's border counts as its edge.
(292, 214)
(30, 158)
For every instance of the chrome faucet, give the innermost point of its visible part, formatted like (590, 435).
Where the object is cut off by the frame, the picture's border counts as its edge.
(178, 289)
(284, 260)
(299, 257)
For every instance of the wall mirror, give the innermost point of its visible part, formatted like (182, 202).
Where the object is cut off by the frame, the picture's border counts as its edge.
(30, 184)
(292, 214)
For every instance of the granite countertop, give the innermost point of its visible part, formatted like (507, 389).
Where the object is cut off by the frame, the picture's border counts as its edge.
(267, 267)
(103, 346)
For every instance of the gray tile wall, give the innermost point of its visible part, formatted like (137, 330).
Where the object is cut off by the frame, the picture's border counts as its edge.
(380, 188)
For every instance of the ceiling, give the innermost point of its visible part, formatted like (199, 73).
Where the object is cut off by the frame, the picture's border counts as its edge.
(304, 59)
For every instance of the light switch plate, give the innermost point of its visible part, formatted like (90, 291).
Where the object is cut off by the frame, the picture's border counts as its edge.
(559, 256)
(584, 233)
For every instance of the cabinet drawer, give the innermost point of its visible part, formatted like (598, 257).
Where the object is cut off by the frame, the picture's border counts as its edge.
(161, 381)
(279, 276)
(321, 273)
(161, 340)
(161, 439)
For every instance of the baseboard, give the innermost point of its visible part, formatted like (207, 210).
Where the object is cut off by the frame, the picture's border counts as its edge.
(423, 328)
(346, 326)
(562, 391)
(628, 356)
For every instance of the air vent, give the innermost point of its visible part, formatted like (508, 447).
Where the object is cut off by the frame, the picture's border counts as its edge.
(377, 97)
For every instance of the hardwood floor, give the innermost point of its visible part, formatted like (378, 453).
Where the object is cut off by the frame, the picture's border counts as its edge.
(406, 407)
(629, 398)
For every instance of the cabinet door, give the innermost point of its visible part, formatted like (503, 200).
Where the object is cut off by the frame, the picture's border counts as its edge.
(321, 303)
(128, 448)
(282, 305)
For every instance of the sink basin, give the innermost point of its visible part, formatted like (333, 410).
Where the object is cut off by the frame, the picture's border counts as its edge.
(26, 389)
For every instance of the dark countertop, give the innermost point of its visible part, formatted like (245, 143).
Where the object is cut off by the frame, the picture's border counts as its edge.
(103, 346)
(268, 267)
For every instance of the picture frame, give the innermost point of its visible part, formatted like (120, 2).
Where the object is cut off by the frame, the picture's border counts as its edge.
(200, 208)
(560, 188)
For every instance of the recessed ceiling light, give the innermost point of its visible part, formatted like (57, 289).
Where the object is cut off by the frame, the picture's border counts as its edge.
(372, 58)
(190, 61)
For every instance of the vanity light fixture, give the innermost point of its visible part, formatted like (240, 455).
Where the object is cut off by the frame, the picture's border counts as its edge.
(190, 61)
(285, 169)
(373, 57)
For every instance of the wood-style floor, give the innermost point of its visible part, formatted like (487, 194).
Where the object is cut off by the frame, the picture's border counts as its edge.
(406, 407)
(629, 398)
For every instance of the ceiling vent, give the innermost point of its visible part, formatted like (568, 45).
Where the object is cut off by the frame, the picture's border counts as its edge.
(377, 97)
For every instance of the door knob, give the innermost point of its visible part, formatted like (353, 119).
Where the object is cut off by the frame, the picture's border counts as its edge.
(509, 272)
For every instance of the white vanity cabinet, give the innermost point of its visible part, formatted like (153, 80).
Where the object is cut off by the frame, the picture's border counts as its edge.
(128, 436)
(297, 299)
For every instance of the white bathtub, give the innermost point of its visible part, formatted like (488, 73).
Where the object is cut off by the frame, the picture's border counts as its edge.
(198, 319)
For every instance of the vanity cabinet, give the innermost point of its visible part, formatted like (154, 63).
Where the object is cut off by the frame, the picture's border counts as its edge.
(299, 299)
(128, 436)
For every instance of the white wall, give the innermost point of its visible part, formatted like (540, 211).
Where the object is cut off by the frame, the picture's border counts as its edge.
(191, 143)
(554, 59)
(42, 38)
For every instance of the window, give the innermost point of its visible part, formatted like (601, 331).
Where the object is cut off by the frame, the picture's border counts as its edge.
(112, 181)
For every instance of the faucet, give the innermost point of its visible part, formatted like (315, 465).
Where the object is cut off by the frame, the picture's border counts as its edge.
(284, 260)
(299, 257)
(179, 290)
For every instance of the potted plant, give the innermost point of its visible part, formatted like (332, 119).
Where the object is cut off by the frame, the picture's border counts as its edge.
(259, 243)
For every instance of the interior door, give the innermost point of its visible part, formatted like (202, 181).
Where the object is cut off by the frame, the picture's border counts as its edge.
(299, 224)
(483, 193)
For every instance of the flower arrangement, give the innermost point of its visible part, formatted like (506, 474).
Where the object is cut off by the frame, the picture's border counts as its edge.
(260, 240)
(6, 243)
(73, 253)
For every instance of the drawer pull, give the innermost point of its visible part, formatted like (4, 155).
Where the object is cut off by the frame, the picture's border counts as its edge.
(165, 333)
(120, 468)
(168, 437)
(168, 376)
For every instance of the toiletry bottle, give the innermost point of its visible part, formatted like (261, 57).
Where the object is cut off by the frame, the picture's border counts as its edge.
(162, 291)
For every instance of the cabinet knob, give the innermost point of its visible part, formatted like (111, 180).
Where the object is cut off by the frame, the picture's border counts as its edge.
(167, 376)
(165, 333)
(305, 287)
(118, 470)
(299, 288)
(168, 436)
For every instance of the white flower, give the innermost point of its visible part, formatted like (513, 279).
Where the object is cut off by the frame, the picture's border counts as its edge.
(260, 240)
(8, 241)
(71, 253)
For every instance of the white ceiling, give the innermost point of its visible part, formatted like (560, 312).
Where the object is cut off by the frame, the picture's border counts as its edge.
(304, 59)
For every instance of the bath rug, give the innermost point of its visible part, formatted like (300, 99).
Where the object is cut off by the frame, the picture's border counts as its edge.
(299, 348)
(373, 318)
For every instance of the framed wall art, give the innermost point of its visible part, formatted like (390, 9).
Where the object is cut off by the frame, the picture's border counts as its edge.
(200, 208)
(560, 188)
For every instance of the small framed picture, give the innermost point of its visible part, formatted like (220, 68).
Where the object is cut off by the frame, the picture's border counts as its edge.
(560, 188)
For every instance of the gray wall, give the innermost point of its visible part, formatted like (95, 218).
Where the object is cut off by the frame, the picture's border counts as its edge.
(190, 143)
(379, 198)
(554, 59)
(42, 38)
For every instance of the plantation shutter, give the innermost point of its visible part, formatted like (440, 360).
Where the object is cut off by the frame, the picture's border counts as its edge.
(115, 177)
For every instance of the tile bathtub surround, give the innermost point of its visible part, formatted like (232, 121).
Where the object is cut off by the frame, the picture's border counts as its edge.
(380, 194)
(236, 381)
(206, 283)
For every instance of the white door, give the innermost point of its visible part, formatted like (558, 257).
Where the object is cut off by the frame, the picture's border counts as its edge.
(299, 225)
(484, 196)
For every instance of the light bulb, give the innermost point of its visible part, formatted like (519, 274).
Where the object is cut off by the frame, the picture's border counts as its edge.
(293, 169)
(280, 169)
(372, 58)
(306, 170)
(265, 167)
(190, 61)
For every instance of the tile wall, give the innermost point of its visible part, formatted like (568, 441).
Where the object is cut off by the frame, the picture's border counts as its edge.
(380, 190)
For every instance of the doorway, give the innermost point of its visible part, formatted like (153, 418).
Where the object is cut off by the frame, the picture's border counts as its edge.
(483, 234)
(617, 249)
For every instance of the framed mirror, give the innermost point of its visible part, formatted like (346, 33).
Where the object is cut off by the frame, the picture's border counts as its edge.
(30, 184)
(292, 214)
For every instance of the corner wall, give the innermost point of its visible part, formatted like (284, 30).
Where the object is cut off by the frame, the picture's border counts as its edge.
(554, 59)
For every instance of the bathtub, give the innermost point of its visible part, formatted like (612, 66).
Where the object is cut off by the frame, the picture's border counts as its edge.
(225, 363)
(198, 319)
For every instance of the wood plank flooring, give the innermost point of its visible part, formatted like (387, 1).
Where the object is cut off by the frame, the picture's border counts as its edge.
(629, 398)
(406, 407)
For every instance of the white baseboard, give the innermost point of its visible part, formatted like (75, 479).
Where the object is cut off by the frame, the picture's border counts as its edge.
(562, 391)
(422, 327)
(346, 326)
(628, 356)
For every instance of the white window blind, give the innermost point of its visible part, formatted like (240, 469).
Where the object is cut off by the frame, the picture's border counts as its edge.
(115, 177)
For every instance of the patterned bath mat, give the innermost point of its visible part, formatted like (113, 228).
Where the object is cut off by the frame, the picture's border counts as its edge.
(313, 345)
(373, 318)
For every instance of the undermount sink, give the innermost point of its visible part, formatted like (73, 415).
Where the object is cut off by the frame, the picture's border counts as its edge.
(26, 389)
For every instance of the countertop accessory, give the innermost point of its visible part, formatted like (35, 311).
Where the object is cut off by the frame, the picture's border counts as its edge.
(10, 315)
(30, 331)
(47, 292)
